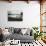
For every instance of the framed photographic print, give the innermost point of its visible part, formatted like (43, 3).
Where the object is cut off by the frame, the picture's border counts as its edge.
(15, 16)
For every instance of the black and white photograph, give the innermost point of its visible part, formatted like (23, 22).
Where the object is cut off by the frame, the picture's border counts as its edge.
(15, 16)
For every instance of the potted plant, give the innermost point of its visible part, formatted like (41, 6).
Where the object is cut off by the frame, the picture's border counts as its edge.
(37, 33)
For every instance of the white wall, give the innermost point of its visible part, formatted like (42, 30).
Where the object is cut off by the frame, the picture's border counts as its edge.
(31, 14)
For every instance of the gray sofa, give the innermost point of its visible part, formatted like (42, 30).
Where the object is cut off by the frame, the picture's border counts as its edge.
(17, 35)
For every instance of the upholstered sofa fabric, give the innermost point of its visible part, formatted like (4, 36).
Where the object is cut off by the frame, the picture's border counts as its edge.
(22, 38)
(15, 33)
(17, 30)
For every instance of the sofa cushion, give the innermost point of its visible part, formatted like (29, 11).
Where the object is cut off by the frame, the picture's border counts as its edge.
(23, 31)
(11, 30)
(28, 31)
(17, 30)
(20, 37)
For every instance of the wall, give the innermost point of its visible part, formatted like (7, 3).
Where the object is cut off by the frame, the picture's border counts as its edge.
(31, 14)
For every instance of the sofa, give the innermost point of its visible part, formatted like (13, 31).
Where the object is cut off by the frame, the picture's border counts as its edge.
(22, 34)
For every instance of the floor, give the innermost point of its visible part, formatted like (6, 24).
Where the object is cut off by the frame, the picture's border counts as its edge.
(35, 43)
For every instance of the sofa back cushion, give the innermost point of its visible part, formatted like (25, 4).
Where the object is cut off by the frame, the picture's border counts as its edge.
(24, 30)
(11, 30)
(17, 30)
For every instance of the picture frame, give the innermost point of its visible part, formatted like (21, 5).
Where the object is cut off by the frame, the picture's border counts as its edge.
(15, 16)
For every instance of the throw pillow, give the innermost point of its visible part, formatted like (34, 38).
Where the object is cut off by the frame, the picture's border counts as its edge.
(23, 31)
(11, 30)
(17, 30)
